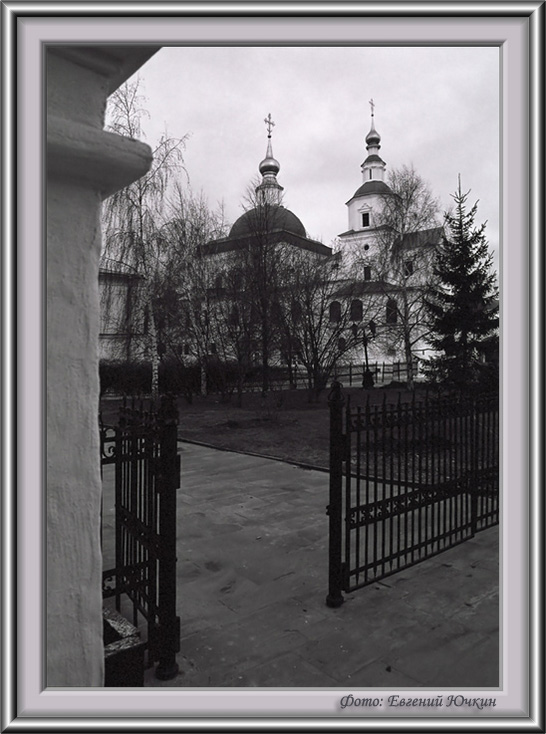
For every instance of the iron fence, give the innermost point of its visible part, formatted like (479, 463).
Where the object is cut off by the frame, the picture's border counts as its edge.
(407, 481)
(143, 450)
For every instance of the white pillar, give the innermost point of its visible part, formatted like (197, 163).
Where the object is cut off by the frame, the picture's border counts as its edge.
(84, 164)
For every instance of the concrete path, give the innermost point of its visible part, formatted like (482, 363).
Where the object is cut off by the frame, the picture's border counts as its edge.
(252, 582)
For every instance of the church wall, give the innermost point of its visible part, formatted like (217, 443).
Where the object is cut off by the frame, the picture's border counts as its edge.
(371, 203)
(83, 164)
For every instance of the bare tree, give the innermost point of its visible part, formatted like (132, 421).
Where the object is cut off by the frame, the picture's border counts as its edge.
(406, 236)
(133, 218)
(187, 292)
(321, 318)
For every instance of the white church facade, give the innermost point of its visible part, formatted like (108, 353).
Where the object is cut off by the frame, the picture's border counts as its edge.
(375, 301)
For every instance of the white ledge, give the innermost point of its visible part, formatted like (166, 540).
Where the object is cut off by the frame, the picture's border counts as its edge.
(83, 153)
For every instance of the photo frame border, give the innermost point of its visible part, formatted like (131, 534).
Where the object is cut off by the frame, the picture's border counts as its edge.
(14, 619)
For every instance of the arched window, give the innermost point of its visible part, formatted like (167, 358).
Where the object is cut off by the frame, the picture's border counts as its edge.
(341, 344)
(356, 311)
(335, 311)
(392, 311)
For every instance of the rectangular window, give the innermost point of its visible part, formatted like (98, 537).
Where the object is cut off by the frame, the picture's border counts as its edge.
(367, 272)
(366, 219)
(408, 267)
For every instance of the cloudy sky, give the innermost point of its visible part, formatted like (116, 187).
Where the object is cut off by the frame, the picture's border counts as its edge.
(435, 107)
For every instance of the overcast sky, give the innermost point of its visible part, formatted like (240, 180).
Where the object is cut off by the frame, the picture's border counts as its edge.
(435, 108)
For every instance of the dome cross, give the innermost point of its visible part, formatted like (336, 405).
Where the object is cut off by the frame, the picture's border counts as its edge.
(270, 124)
(372, 106)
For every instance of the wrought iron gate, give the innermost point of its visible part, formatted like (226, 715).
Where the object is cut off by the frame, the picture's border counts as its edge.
(143, 450)
(407, 481)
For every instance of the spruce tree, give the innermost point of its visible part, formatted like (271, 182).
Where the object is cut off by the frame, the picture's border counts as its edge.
(463, 304)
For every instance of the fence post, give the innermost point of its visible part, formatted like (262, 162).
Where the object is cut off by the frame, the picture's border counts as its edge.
(473, 466)
(169, 478)
(334, 510)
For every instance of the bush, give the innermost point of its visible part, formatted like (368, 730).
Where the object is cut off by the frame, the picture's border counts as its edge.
(222, 377)
(180, 379)
(125, 378)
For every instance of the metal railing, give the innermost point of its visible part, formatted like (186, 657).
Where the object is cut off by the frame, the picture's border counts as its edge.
(407, 481)
(143, 449)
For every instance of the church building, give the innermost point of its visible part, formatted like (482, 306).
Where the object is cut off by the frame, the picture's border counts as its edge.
(387, 268)
(268, 217)
(374, 307)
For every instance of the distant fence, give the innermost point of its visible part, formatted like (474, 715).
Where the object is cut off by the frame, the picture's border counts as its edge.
(352, 375)
(129, 378)
(349, 375)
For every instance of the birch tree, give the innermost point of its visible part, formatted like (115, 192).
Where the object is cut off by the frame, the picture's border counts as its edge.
(133, 218)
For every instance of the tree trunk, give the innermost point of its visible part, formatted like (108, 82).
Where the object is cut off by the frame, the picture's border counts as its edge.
(265, 359)
(154, 354)
(409, 362)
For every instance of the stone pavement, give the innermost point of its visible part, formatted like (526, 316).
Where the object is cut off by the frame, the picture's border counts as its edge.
(252, 582)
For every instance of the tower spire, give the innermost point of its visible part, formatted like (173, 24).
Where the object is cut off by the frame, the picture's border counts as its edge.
(373, 167)
(269, 191)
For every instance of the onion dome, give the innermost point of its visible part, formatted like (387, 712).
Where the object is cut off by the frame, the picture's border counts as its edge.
(373, 138)
(278, 219)
(269, 164)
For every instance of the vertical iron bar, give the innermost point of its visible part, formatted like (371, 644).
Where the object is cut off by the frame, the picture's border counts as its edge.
(118, 478)
(168, 621)
(473, 473)
(440, 508)
(395, 415)
(346, 449)
(335, 401)
(375, 472)
(367, 487)
(349, 501)
(416, 415)
(385, 490)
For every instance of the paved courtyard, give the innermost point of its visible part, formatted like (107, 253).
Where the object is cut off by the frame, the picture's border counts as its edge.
(252, 581)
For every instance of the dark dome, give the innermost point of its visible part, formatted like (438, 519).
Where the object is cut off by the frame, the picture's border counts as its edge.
(372, 187)
(373, 137)
(280, 218)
